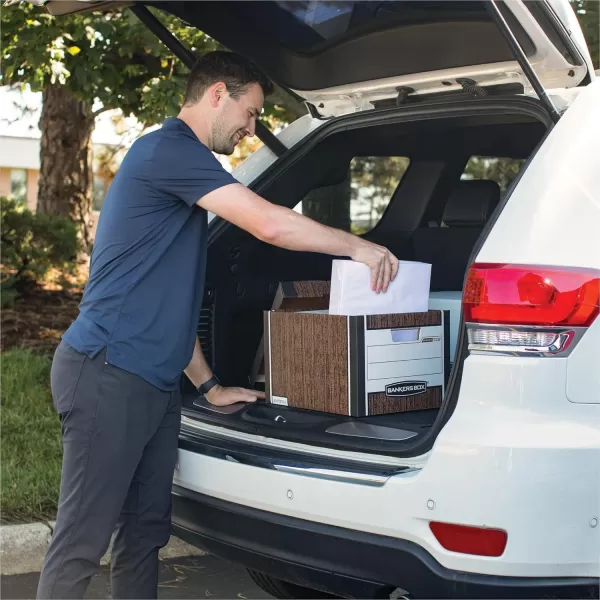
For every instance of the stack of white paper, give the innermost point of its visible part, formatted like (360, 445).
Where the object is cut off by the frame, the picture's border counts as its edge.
(351, 292)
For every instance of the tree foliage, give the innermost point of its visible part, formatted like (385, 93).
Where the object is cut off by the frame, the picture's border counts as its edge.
(111, 59)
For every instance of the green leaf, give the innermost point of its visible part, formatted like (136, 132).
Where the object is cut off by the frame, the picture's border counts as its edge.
(74, 50)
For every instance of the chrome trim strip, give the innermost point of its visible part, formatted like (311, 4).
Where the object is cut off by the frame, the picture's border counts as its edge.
(333, 475)
(572, 335)
(370, 431)
(366, 365)
(349, 366)
(193, 425)
(270, 354)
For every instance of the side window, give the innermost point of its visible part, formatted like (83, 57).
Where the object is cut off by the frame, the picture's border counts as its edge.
(357, 203)
(373, 181)
(498, 169)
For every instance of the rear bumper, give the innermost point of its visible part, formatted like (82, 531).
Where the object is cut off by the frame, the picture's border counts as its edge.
(342, 561)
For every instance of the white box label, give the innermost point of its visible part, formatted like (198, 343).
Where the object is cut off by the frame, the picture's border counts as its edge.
(281, 400)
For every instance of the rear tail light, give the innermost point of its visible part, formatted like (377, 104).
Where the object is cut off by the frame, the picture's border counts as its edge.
(463, 539)
(517, 295)
(528, 310)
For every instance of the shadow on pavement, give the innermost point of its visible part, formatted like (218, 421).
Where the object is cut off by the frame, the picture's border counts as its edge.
(192, 577)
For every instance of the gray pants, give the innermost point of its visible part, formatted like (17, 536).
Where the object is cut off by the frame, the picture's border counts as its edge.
(119, 452)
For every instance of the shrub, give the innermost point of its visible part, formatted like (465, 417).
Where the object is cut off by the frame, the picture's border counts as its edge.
(33, 243)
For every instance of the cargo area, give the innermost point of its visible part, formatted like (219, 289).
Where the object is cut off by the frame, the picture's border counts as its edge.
(425, 188)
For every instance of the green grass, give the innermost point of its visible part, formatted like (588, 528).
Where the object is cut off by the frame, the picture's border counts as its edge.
(30, 439)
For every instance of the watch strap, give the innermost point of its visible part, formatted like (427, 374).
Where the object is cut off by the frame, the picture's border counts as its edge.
(205, 387)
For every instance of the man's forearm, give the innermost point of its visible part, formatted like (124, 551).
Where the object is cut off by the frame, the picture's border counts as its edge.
(278, 225)
(198, 370)
(294, 231)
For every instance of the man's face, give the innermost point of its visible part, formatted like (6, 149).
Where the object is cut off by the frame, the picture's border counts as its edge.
(236, 119)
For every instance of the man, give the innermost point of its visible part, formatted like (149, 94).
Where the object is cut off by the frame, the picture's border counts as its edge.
(116, 374)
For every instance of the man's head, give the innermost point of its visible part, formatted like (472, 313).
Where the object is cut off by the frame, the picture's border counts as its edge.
(226, 92)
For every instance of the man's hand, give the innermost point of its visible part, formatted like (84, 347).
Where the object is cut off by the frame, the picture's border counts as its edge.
(383, 264)
(198, 372)
(224, 396)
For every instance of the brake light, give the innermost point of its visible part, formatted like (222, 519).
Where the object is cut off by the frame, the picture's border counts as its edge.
(463, 539)
(536, 296)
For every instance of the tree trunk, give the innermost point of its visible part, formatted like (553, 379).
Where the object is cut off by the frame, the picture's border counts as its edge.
(66, 180)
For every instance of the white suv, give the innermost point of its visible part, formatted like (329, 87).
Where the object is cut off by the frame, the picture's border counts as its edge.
(497, 493)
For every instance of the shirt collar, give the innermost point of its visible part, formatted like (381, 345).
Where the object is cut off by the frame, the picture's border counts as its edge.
(177, 123)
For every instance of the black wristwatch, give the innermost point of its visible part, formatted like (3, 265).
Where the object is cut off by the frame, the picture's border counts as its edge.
(205, 387)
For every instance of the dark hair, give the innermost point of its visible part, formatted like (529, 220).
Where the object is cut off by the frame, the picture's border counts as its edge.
(236, 72)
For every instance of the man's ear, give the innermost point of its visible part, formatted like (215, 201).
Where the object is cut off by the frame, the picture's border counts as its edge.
(216, 93)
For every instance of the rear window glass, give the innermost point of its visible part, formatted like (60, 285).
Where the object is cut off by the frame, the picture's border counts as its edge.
(305, 25)
(358, 203)
(499, 169)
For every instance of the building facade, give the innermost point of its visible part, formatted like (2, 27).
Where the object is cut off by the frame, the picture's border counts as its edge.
(20, 171)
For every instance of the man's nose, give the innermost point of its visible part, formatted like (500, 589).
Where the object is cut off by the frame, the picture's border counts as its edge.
(251, 129)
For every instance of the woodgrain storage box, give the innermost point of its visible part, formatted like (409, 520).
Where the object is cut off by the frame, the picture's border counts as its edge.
(356, 365)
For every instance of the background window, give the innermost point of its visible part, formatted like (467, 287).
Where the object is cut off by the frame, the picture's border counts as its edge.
(18, 185)
(500, 170)
(99, 191)
(357, 203)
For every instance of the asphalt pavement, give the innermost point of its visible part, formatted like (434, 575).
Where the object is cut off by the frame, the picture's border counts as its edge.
(188, 577)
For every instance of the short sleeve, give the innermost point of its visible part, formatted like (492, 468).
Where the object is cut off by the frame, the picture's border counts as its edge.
(187, 169)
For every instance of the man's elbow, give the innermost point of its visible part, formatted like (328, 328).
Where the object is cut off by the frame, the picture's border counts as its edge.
(273, 224)
(269, 232)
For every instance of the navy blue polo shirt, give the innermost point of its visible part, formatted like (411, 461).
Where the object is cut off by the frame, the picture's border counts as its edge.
(144, 294)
